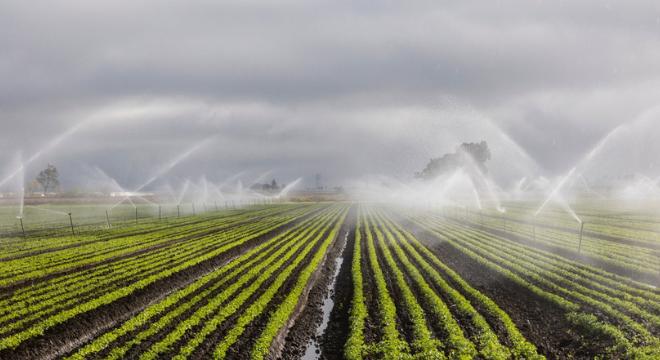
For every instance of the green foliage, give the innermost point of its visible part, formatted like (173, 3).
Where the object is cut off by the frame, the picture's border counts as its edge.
(489, 347)
(548, 276)
(55, 301)
(355, 347)
(391, 346)
(48, 178)
(210, 282)
(448, 318)
(281, 315)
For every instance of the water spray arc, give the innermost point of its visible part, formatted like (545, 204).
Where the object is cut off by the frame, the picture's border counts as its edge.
(49, 146)
(168, 167)
(555, 193)
(285, 191)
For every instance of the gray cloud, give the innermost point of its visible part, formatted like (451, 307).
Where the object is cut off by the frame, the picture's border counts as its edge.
(339, 87)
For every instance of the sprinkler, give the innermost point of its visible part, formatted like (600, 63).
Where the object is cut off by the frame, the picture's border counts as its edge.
(160, 212)
(136, 215)
(107, 219)
(20, 218)
(216, 205)
(580, 242)
(534, 230)
(178, 211)
(193, 208)
(71, 222)
(205, 209)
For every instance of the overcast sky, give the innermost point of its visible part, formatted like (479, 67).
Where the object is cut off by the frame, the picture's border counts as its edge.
(344, 88)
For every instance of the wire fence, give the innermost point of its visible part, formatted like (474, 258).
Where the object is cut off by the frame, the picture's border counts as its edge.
(70, 219)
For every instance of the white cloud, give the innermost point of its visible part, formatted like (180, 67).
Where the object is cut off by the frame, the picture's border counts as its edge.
(340, 87)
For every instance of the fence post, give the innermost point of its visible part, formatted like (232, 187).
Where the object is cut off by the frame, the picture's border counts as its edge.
(71, 222)
(20, 218)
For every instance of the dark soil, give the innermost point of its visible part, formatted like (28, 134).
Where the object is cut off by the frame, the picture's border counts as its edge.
(372, 328)
(435, 323)
(335, 336)
(94, 293)
(8, 290)
(569, 254)
(147, 343)
(540, 321)
(405, 323)
(306, 324)
(593, 234)
(206, 347)
(73, 332)
(304, 328)
(242, 348)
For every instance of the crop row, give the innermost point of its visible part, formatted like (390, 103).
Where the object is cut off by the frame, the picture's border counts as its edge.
(19, 246)
(622, 311)
(413, 287)
(628, 256)
(140, 259)
(43, 264)
(25, 307)
(125, 269)
(185, 319)
(30, 311)
(642, 230)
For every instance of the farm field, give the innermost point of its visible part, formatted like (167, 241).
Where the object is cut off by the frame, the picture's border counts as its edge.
(335, 280)
(45, 219)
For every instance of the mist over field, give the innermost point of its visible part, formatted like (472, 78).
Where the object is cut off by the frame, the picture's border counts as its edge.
(329, 180)
(346, 89)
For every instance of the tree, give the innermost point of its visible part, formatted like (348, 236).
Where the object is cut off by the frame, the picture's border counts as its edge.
(273, 185)
(466, 153)
(34, 186)
(48, 178)
(478, 152)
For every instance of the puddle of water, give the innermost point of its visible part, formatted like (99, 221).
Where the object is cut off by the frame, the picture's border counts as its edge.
(313, 350)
